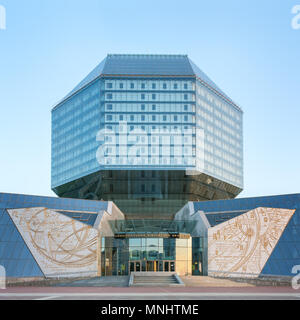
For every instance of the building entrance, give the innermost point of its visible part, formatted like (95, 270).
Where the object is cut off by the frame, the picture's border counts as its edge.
(146, 252)
(152, 266)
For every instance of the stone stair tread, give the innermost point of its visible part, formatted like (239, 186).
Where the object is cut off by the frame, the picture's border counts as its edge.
(154, 280)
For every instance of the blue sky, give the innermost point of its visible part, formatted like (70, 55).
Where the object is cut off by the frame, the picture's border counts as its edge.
(247, 47)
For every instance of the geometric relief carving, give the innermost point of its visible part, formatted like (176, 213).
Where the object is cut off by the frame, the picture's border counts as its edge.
(59, 244)
(242, 245)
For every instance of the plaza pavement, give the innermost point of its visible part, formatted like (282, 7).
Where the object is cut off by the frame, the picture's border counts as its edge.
(197, 288)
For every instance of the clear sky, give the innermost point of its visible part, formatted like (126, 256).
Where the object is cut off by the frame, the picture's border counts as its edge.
(248, 48)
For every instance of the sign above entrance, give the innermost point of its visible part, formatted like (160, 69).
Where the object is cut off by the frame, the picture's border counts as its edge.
(153, 235)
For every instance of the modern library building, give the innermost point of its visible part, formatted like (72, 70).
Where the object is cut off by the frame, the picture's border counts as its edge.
(147, 160)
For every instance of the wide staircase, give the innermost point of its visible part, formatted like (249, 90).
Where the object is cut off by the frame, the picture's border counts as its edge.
(141, 279)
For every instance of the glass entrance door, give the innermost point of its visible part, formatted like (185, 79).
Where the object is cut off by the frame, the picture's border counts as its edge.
(138, 266)
(166, 266)
(135, 266)
(169, 266)
(152, 266)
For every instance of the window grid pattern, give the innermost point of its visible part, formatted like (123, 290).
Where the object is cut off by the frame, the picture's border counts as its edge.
(154, 111)
(11, 201)
(15, 256)
(148, 92)
(223, 136)
(86, 218)
(75, 124)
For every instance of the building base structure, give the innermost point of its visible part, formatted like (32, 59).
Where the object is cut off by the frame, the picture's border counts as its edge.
(148, 193)
(59, 237)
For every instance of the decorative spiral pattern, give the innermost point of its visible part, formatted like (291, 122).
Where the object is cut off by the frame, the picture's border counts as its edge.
(244, 243)
(57, 242)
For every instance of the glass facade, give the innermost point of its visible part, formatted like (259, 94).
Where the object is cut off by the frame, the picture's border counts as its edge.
(15, 256)
(222, 123)
(120, 256)
(198, 256)
(155, 121)
(75, 124)
(156, 113)
(11, 201)
(129, 226)
(144, 123)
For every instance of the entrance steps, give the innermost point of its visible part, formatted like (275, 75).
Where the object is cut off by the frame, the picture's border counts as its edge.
(154, 279)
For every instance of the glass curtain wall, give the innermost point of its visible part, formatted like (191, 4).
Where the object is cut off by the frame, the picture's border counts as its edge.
(125, 255)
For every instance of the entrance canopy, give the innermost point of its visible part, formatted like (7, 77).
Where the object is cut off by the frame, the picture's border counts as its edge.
(146, 226)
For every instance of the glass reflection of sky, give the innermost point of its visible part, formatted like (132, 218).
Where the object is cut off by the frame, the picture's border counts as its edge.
(151, 248)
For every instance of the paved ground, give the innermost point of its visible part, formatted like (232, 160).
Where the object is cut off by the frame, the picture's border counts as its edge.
(153, 293)
(196, 281)
(120, 281)
(115, 288)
